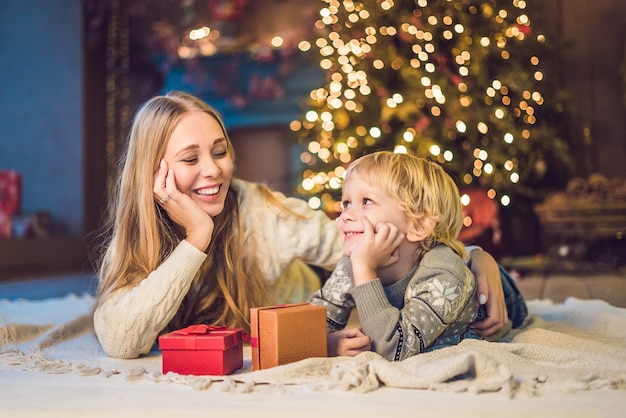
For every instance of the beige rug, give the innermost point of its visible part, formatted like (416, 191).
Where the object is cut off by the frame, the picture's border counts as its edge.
(579, 345)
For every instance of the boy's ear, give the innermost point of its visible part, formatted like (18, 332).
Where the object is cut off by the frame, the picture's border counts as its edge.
(420, 230)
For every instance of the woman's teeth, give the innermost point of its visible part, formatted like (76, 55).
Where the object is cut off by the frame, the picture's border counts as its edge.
(208, 192)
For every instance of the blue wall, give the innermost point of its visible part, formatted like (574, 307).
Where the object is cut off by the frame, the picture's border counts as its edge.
(41, 121)
(226, 80)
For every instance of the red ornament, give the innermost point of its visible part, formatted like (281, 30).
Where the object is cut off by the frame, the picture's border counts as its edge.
(483, 228)
(526, 30)
(422, 123)
(227, 9)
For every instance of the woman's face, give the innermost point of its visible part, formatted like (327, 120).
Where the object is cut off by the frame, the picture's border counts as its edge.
(199, 155)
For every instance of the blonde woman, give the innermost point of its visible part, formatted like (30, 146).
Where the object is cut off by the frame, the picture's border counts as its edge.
(403, 267)
(187, 242)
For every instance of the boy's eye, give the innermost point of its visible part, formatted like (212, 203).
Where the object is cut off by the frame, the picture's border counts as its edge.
(366, 201)
(345, 204)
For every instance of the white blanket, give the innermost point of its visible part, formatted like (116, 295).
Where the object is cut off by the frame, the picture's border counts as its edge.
(579, 345)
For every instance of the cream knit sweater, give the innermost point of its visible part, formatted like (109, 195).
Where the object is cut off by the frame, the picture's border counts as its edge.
(129, 321)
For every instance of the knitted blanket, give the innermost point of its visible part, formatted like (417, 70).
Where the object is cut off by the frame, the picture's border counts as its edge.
(578, 345)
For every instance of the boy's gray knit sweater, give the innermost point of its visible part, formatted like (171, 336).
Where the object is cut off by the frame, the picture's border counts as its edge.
(431, 307)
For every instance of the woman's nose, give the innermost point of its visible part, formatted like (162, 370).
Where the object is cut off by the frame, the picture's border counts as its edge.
(210, 168)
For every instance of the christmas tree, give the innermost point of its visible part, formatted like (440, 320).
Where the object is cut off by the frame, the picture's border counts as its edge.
(461, 82)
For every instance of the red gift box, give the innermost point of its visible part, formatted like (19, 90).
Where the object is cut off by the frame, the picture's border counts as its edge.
(6, 223)
(10, 192)
(202, 350)
(10, 200)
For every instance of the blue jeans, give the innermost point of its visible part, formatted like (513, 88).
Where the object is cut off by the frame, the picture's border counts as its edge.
(515, 304)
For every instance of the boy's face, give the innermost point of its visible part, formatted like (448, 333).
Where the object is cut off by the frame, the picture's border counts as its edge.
(362, 200)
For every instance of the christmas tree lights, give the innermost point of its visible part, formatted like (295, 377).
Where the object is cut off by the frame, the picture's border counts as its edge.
(458, 81)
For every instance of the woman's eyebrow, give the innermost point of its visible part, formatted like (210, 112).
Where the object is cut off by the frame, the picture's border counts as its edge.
(196, 146)
(185, 149)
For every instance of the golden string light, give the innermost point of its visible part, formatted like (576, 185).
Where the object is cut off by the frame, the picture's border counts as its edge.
(440, 52)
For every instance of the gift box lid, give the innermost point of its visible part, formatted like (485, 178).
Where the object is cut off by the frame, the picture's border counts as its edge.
(201, 337)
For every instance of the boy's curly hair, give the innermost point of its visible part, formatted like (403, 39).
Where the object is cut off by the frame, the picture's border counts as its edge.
(425, 192)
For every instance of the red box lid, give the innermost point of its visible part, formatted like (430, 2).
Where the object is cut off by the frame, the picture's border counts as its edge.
(201, 337)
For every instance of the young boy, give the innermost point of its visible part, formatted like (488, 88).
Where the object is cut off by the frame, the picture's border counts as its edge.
(403, 267)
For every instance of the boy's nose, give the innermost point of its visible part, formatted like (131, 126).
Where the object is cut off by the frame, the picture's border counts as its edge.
(348, 214)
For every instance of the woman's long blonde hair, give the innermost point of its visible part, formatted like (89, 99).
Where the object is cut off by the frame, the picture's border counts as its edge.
(426, 193)
(139, 234)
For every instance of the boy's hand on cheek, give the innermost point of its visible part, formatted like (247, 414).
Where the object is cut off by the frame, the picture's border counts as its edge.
(366, 252)
(377, 248)
(388, 238)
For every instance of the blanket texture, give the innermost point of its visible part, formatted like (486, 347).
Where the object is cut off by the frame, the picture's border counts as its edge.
(574, 346)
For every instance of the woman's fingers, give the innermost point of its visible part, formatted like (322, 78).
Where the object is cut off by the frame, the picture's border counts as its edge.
(164, 183)
(159, 189)
(170, 181)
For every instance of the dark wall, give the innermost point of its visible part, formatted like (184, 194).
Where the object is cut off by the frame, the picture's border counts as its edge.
(52, 111)
(593, 69)
(41, 117)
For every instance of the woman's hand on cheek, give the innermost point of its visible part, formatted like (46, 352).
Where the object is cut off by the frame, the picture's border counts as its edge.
(183, 211)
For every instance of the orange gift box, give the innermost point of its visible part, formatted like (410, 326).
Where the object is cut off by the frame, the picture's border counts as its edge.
(284, 334)
(202, 350)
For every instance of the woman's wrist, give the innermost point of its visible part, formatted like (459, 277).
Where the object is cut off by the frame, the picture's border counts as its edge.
(199, 239)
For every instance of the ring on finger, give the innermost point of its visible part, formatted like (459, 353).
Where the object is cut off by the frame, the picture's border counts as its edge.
(164, 199)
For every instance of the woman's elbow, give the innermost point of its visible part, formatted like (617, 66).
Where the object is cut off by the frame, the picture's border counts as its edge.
(114, 348)
(114, 345)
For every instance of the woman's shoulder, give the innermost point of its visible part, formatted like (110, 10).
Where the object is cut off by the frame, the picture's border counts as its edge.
(261, 197)
(259, 205)
(254, 193)
(243, 188)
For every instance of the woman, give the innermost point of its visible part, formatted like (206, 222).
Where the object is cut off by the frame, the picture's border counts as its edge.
(189, 243)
